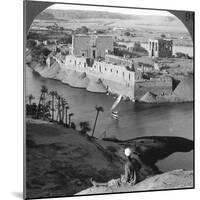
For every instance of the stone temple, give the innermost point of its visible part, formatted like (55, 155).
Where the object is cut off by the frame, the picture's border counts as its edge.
(160, 48)
(92, 46)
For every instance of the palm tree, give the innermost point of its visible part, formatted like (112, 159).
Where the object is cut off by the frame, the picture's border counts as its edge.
(63, 103)
(44, 91)
(53, 94)
(59, 105)
(66, 111)
(70, 115)
(85, 127)
(41, 99)
(30, 98)
(46, 110)
(98, 109)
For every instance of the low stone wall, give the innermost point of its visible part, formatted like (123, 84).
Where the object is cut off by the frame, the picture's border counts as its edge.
(158, 87)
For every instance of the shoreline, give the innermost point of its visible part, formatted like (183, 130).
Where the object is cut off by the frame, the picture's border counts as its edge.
(166, 99)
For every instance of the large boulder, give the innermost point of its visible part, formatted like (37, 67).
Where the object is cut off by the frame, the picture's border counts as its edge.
(149, 97)
(184, 90)
(96, 86)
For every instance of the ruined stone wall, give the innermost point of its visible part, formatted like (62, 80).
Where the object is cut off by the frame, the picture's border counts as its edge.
(118, 60)
(103, 43)
(165, 48)
(160, 48)
(161, 86)
(115, 72)
(80, 45)
(83, 45)
(153, 48)
(103, 70)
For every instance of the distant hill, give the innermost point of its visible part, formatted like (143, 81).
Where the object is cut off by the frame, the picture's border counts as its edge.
(46, 16)
(52, 14)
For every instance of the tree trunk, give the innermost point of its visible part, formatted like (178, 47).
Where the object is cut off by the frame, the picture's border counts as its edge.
(66, 117)
(58, 117)
(38, 107)
(52, 107)
(69, 120)
(95, 123)
(43, 112)
(31, 109)
(63, 113)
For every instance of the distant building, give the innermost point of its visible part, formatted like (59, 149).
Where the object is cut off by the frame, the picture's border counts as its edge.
(160, 48)
(93, 46)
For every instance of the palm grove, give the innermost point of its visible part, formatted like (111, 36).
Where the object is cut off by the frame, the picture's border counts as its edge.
(52, 107)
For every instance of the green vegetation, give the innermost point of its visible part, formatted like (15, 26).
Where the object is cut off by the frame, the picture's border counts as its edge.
(82, 30)
(30, 44)
(182, 55)
(138, 48)
(163, 36)
(53, 95)
(67, 39)
(40, 54)
(132, 52)
(85, 127)
(54, 108)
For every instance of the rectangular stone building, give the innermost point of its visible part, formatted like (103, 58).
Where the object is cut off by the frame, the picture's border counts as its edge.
(160, 48)
(93, 46)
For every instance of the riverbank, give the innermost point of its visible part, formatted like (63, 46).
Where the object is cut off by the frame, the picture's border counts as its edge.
(182, 93)
(77, 79)
(81, 79)
(61, 161)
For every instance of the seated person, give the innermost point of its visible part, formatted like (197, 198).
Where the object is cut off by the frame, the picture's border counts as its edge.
(130, 176)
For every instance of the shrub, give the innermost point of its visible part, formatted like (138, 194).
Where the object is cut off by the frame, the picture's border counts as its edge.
(182, 55)
(40, 53)
(163, 35)
(82, 30)
(138, 48)
(127, 33)
(30, 44)
(85, 127)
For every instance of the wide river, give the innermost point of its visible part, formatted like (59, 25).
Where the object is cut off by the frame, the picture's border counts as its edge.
(135, 119)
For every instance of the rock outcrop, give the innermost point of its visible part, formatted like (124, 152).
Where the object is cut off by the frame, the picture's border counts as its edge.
(96, 86)
(149, 97)
(169, 180)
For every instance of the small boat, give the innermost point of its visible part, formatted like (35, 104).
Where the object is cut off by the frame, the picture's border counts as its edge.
(115, 114)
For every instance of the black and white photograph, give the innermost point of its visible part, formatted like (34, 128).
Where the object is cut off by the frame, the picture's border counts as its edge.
(108, 99)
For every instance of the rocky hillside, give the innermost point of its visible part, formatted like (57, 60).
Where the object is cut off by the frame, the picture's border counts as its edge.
(60, 161)
(169, 180)
(81, 14)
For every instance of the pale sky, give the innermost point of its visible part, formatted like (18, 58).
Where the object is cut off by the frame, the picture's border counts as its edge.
(110, 9)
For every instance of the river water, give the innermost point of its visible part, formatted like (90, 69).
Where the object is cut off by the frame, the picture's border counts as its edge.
(135, 119)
